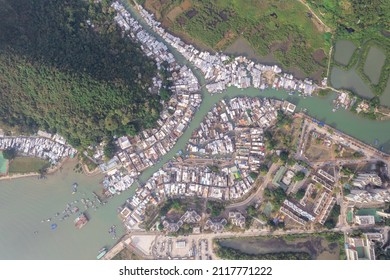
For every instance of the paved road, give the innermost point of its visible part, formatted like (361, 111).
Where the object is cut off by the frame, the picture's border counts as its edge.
(258, 195)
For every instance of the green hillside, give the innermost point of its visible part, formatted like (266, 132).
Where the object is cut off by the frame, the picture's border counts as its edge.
(65, 67)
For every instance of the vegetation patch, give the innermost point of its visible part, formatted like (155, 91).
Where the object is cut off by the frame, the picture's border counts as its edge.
(215, 208)
(282, 28)
(233, 254)
(365, 24)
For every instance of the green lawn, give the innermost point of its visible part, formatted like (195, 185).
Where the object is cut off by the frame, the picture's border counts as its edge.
(26, 165)
(349, 217)
(3, 164)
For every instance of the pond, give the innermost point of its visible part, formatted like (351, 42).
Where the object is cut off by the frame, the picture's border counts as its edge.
(341, 79)
(317, 247)
(374, 63)
(385, 97)
(344, 50)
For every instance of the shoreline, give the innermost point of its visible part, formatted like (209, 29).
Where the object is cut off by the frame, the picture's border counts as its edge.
(18, 176)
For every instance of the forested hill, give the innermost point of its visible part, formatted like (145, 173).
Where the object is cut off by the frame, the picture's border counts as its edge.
(65, 67)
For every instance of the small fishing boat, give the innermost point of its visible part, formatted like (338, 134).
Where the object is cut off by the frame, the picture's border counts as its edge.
(101, 253)
(74, 186)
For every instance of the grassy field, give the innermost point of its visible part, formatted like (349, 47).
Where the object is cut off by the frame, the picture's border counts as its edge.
(27, 165)
(285, 29)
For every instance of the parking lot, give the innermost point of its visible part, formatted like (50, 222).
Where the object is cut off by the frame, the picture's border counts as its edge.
(191, 247)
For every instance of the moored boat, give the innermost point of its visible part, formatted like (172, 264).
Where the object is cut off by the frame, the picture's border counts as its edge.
(80, 221)
(101, 253)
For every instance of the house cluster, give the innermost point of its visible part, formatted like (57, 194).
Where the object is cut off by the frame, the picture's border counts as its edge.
(237, 219)
(215, 225)
(234, 129)
(344, 100)
(176, 180)
(370, 189)
(222, 71)
(140, 152)
(317, 202)
(364, 179)
(189, 217)
(244, 117)
(52, 148)
(369, 196)
(363, 247)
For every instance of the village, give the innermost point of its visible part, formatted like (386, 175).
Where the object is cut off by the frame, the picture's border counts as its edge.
(44, 146)
(140, 152)
(197, 176)
(222, 71)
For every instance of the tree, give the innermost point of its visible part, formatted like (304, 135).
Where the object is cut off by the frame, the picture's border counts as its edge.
(284, 156)
(10, 153)
(299, 176)
(214, 168)
(253, 175)
(251, 210)
(110, 149)
(263, 169)
(165, 94)
(216, 208)
(300, 194)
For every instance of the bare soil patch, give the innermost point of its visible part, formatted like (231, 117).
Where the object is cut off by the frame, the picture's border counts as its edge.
(319, 56)
(227, 38)
(178, 10)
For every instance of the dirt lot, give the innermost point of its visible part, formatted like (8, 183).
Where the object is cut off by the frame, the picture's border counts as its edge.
(126, 254)
(318, 152)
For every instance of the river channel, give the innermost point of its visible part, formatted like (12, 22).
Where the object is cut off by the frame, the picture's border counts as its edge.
(25, 202)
